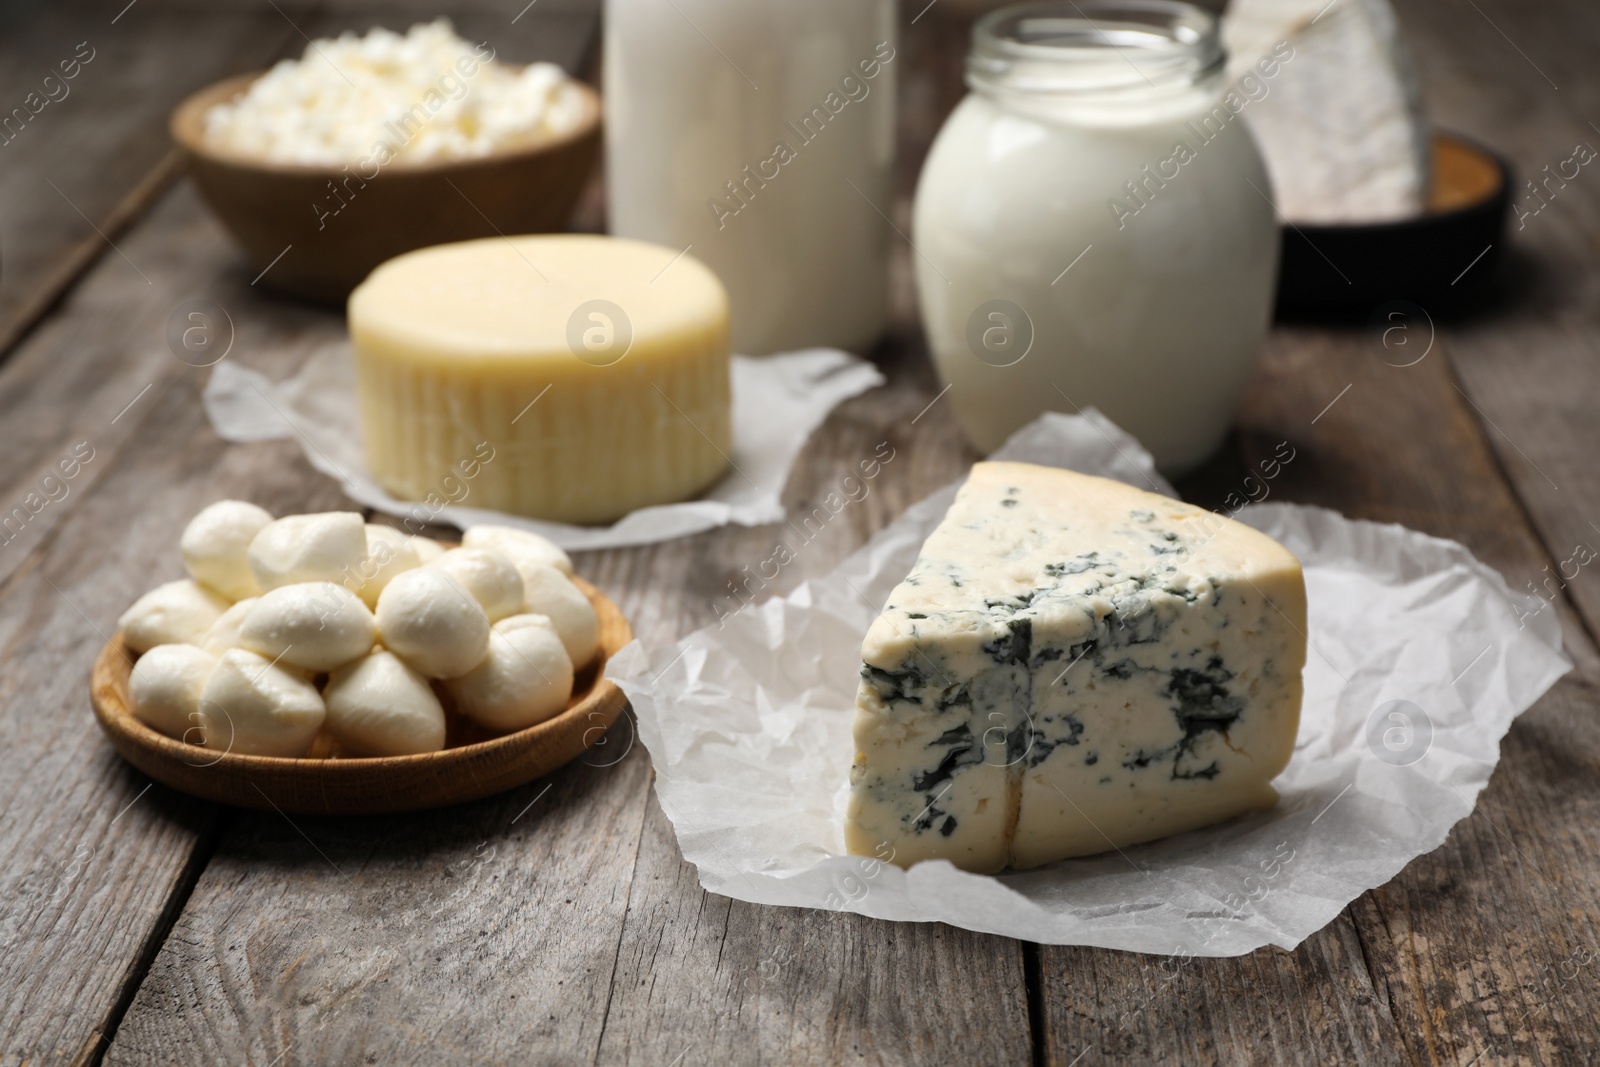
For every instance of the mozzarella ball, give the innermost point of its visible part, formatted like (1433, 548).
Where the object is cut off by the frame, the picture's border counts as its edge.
(216, 547)
(517, 622)
(552, 594)
(378, 706)
(224, 633)
(315, 625)
(177, 613)
(491, 579)
(522, 548)
(389, 552)
(427, 549)
(253, 707)
(165, 686)
(328, 547)
(525, 679)
(429, 620)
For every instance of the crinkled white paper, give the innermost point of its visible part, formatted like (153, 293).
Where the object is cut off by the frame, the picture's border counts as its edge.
(777, 402)
(749, 729)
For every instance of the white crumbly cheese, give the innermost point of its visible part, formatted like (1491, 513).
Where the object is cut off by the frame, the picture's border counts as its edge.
(1073, 665)
(427, 95)
(1341, 123)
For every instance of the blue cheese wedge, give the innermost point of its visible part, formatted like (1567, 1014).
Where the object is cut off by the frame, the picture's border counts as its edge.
(1073, 665)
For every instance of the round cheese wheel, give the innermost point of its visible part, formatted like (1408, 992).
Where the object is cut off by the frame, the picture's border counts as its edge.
(568, 377)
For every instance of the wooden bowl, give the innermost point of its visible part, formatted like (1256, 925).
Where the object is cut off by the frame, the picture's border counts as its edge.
(371, 786)
(317, 231)
(1438, 260)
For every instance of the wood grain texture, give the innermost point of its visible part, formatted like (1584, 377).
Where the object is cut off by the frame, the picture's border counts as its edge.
(93, 155)
(791, 1014)
(484, 933)
(706, 979)
(1484, 948)
(719, 981)
(1530, 359)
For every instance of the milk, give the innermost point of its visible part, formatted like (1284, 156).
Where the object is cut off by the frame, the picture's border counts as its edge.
(760, 133)
(1092, 246)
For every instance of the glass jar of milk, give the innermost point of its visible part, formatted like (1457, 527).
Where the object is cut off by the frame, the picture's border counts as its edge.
(1094, 227)
(759, 135)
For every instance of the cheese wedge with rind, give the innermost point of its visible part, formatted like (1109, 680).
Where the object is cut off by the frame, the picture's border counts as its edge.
(1073, 665)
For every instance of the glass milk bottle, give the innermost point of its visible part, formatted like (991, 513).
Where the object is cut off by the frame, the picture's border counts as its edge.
(760, 135)
(1094, 227)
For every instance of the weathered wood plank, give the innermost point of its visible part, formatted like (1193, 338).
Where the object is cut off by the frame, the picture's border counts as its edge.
(189, 1008)
(666, 590)
(1482, 948)
(1530, 359)
(481, 934)
(92, 154)
(713, 980)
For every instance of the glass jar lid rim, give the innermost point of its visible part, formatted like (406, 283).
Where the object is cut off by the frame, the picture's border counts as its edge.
(1161, 41)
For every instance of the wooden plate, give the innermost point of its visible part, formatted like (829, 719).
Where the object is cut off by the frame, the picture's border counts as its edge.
(376, 785)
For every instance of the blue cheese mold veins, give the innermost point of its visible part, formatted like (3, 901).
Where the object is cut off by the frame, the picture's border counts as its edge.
(1074, 665)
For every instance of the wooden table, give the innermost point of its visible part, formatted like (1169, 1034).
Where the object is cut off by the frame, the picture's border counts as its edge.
(558, 923)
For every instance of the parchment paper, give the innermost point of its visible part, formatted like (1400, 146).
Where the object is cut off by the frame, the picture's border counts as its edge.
(748, 724)
(777, 402)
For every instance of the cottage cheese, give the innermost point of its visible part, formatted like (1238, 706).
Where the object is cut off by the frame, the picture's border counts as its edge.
(427, 95)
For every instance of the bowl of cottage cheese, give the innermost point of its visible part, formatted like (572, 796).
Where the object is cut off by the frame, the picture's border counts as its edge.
(370, 146)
